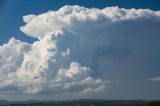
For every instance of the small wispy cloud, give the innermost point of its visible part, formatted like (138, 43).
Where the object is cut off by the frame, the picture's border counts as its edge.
(155, 79)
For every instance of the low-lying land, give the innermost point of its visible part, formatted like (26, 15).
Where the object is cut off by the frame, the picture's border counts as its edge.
(82, 103)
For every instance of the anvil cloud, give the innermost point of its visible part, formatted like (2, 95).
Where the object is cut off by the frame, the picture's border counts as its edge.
(75, 49)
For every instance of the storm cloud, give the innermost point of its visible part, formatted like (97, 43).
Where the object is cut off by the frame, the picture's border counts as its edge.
(81, 50)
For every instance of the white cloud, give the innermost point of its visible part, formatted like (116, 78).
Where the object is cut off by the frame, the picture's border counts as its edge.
(75, 44)
(68, 17)
(11, 57)
(29, 18)
(154, 79)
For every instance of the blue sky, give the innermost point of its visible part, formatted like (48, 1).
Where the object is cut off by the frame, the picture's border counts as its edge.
(115, 51)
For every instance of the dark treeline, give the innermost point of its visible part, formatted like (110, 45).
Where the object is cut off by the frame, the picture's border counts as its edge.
(89, 103)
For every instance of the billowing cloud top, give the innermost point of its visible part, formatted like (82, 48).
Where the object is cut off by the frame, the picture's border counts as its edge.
(75, 48)
(70, 17)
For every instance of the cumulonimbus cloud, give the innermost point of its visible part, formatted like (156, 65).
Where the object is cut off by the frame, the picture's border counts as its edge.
(74, 44)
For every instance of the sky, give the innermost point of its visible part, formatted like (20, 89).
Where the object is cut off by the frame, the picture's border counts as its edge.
(79, 49)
